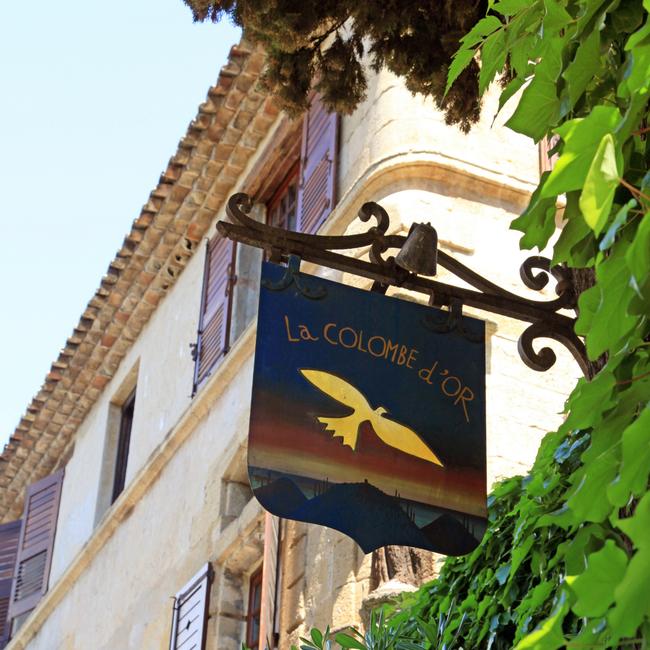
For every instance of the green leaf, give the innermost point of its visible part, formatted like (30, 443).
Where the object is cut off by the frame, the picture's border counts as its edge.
(493, 58)
(637, 71)
(483, 28)
(460, 61)
(538, 109)
(510, 90)
(502, 573)
(589, 400)
(346, 641)
(317, 637)
(595, 586)
(556, 15)
(632, 602)
(539, 595)
(510, 7)
(548, 636)
(581, 137)
(519, 554)
(430, 631)
(600, 185)
(635, 468)
(604, 318)
(520, 60)
(539, 106)
(404, 644)
(589, 10)
(637, 527)
(551, 59)
(620, 218)
(638, 254)
(588, 500)
(587, 540)
(537, 221)
(580, 72)
(576, 243)
(639, 36)
(634, 113)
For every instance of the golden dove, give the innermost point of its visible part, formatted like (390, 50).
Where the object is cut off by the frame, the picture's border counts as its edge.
(388, 431)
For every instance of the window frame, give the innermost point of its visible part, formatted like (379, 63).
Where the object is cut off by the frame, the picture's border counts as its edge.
(127, 412)
(255, 585)
(292, 178)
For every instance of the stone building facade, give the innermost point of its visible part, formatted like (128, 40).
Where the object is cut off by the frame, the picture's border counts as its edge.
(139, 430)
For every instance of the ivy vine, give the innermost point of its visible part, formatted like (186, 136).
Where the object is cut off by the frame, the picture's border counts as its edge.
(567, 560)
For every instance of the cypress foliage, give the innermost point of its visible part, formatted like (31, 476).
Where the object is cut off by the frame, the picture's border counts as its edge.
(326, 40)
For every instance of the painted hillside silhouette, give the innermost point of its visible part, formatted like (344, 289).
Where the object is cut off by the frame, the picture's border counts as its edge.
(366, 514)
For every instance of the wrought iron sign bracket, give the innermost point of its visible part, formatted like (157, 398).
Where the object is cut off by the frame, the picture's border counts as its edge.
(544, 316)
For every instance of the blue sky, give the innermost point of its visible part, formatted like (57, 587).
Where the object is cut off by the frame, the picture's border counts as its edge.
(95, 97)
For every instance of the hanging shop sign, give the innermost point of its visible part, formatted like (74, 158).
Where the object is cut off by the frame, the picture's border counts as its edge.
(368, 415)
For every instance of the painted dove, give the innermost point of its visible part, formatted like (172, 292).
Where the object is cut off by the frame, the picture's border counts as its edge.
(388, 431)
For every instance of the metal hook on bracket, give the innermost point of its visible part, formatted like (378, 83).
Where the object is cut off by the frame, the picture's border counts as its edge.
(378, 287)
(292, 276)
(453, 323)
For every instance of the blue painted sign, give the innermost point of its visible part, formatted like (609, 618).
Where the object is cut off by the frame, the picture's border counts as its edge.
(366, 416)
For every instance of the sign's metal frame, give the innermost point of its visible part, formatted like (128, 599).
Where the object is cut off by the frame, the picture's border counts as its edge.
(544, 317)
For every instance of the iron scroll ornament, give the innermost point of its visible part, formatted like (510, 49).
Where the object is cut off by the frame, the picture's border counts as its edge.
(536, 272)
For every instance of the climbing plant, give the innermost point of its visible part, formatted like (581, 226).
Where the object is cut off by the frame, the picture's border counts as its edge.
(567, 558)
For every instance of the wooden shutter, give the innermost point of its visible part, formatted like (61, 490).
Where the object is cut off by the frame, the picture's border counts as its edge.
(270, 583)
(35, 545)
(216, 306)
(9, 537)
(317, 188)
(546, 161)
(191, 612)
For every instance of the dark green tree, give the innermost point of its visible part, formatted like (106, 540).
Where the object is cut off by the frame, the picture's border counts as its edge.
(325, 41)
(566, 560)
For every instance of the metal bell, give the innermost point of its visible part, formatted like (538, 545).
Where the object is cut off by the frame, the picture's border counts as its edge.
(420, 251)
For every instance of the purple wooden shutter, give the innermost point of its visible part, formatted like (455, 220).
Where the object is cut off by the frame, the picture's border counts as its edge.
(9, 537)
(36, 543)
(191, 612)
(546, 161)
(317, 187)
(270, 580)
(216, 306)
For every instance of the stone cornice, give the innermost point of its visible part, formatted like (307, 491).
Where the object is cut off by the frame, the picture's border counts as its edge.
(216, 148)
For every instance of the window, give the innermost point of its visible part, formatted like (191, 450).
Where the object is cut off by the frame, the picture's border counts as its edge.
(254, 610)
(123, 443)
(117, 442)
(300, 201)
(190, 615)
(283, 207)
